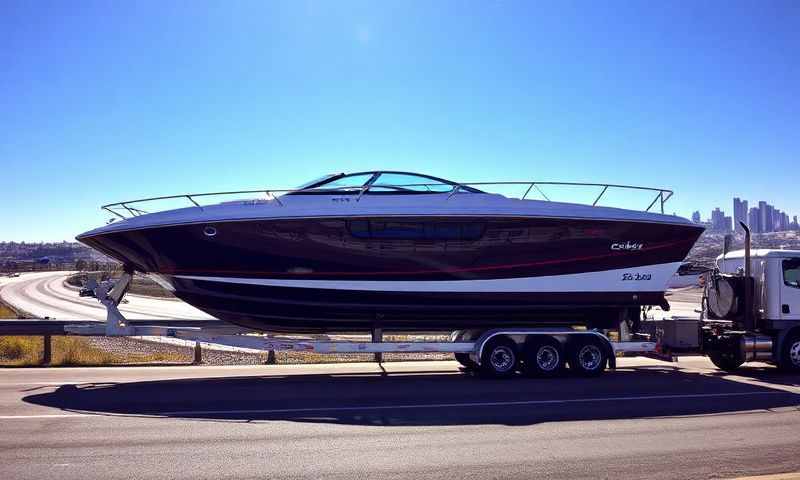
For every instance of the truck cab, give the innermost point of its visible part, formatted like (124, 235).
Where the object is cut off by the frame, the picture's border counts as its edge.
(765, 327)
(776, 275)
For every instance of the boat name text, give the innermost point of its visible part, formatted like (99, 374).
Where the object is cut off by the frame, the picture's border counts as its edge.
(627, 246)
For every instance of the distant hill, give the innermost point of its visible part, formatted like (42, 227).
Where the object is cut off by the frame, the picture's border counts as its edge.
(23, 256)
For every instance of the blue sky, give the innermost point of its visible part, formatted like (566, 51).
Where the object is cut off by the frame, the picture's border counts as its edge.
(108, 101)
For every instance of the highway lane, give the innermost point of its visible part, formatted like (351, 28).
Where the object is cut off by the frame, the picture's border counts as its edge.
(649, 419)
(43, 294)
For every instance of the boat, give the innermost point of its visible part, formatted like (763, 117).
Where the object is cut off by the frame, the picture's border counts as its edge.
(402, 251)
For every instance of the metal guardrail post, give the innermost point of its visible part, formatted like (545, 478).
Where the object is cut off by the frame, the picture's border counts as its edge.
(198, 353)
(47, 354)
(377, 337)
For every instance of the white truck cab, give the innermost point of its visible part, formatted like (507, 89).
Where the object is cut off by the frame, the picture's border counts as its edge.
(777, 282)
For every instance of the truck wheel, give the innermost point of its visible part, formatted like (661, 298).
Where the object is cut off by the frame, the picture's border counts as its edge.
(790, 354)
(499, 358)
(728, 361)
(588, 356)
(465, 361)
(543, 356)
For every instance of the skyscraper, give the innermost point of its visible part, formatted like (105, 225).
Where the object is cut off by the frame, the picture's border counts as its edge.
(752, 220)
(765, 223)
(739, 213)
(719, 222)
(696, 217)
(770, 219)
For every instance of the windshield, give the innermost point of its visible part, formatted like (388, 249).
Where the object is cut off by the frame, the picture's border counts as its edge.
(319, 180)
(372, 183)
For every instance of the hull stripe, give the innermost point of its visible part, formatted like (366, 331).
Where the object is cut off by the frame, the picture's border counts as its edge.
(652, 278)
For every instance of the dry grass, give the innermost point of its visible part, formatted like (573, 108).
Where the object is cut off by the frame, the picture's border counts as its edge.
(24, 350)
(28, 351)
(6, 312)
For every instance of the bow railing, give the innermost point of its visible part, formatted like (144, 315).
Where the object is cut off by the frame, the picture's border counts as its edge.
(131, 208)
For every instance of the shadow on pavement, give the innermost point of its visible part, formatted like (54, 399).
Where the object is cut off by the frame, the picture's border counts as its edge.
(426, 398)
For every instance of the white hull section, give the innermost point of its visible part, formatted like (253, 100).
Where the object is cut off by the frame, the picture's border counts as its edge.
(647, 278)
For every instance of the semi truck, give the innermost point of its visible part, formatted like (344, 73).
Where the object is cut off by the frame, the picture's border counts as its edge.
(751, 308)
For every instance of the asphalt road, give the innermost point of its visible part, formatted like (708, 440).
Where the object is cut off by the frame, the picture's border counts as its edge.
(43, 294)
(649, 419)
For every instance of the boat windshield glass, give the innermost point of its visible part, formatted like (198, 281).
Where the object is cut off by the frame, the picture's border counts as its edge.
(319, 180)
(340, 183)
(375, 183)
(404, 182)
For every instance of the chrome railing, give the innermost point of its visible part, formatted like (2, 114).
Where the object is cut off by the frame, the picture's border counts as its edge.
(120, 209)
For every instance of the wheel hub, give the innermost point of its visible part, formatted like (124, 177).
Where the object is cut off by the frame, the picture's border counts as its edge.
(794, 353)
(547, 358)
(590, 357)
(502, 359)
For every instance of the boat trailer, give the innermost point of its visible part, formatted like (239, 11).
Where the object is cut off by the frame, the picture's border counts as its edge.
(499, 352)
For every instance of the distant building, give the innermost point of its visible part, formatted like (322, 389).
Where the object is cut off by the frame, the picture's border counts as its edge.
(740, 212)
(717, 220)
(752, 220)
(766, 221)
(696, 217)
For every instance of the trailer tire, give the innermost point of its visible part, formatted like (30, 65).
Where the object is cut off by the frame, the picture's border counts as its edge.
(728, 361)
(542, 356)
(790, 353)
(499, 357)
(465, 361)
(588, 356)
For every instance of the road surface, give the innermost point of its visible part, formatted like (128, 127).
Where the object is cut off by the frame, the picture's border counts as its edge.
(43, 294)
(422, 420)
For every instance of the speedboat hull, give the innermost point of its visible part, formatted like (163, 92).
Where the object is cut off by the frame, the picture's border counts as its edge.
(407, 272)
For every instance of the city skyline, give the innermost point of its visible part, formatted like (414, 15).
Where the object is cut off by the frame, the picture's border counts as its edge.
(763, 217)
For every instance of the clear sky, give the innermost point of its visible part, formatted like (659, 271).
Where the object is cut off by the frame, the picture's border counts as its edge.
(108, 101)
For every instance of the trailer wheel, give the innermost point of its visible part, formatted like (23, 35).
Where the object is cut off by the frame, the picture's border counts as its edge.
(465, 361)
(543, 356)
(588, 356)
(499, 357)
(728, 361)
(790, 354)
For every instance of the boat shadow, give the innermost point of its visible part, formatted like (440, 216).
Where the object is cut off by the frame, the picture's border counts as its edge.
(433, 398)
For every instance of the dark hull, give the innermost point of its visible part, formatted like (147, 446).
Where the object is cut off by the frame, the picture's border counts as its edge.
(398, 250)
(306, 309)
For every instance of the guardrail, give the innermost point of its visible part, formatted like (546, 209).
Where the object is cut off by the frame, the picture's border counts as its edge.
(120, 209)
(47, 329)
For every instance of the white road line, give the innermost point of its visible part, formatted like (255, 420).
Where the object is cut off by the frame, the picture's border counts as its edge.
(44, 415)
(404, 407)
